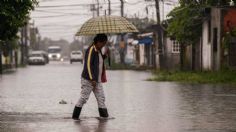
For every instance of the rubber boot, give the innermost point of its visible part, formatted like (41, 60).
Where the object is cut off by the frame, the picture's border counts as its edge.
(103, 112)
(76, 113)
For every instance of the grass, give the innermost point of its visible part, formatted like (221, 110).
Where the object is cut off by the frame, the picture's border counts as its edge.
(8, 69)
(119, 66)
(223, 77)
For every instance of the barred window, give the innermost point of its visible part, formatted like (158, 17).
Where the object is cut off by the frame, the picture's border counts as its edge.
(175, 47)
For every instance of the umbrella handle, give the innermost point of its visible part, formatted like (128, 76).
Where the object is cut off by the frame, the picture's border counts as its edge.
(108, 56)
(109, 60)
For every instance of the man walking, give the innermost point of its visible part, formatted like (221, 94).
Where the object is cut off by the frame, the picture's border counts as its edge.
(93, 76)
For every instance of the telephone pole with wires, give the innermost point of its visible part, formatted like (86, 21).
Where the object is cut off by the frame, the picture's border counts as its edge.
(98, 6)
(93, 9)
(122, 42)
(122, 8)
(109, 7)
(159, 36)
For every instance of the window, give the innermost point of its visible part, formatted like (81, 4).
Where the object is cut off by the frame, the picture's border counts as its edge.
(175, 47)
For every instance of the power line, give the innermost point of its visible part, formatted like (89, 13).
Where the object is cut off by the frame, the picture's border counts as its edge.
(57, 32)
(72, 21)
(55, 25)
(138, 2)
(46, 11)
(67, 9)
(63, 5)
(83, 5)
(51, 16)
(73, 5)
(58, 28)
(48, 16)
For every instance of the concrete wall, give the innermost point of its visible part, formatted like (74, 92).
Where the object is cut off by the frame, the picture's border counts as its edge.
(198, 57)
(211, 50)
(141, 54)
(216, 22)
(206, 48)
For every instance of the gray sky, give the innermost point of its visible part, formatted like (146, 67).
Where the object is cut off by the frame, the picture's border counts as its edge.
(61, 19)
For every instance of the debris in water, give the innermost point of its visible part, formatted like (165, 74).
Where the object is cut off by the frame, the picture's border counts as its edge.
(62, 102)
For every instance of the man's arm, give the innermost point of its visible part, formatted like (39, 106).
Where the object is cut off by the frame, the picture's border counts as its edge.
(90, 63)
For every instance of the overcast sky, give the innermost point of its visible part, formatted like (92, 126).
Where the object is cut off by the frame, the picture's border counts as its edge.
(61, 19)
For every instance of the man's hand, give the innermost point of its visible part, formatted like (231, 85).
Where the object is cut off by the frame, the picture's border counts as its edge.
(94, 83)
(107, 52)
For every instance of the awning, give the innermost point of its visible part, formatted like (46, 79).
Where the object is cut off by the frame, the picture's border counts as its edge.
(145, 40)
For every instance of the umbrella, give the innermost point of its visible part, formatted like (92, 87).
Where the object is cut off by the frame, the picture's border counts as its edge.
(106, 24)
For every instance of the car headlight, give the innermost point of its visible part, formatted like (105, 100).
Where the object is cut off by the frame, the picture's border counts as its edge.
(50, 56)
(58, 55)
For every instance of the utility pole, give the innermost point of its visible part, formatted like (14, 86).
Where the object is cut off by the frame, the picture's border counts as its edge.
(146, 8)
(93, 9)
(163, 10)
(1, 58)
(122, 8)
(98, 7)
(122, 42)
(159, 36)
(157, 11)
(109, 7)
(22, 45)
(26, 43)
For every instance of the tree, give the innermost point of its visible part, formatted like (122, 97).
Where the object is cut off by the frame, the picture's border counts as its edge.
(13, 15)
(186, 20)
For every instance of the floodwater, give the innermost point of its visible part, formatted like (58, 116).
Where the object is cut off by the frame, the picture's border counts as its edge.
(29, 102)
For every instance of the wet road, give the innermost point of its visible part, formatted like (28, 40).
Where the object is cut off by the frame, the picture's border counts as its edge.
(29, 102)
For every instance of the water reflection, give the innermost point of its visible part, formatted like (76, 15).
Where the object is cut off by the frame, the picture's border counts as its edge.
(92, 125)
(136, 104)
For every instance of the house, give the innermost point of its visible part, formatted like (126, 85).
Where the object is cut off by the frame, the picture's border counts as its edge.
(167, 55)
(171, 54)
(218, 41)
(146, 49)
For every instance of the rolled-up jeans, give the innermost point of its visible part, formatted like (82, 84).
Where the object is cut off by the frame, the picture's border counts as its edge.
(86, 89)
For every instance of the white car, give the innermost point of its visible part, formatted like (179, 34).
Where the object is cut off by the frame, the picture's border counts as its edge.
(76, 56)
(36, 59)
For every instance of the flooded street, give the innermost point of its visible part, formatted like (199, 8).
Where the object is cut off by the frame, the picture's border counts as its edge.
(29, 100)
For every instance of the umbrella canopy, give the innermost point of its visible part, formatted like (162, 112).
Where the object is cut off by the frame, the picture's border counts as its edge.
(106, 24)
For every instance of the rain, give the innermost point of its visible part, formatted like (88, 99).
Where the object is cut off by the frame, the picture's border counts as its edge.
(84, 66)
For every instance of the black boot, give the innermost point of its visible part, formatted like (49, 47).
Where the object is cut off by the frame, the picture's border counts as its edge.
(103, 112)
(76, 113)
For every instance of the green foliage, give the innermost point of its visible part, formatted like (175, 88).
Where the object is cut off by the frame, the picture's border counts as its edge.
(185, 23)
(13, 15)
(205, 2)
(8, 45)
(227, 38)
(226, 76)
(119, 66)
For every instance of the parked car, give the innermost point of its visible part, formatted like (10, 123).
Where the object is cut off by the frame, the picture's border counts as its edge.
(76, 56)
(36, 58)
(45, 54)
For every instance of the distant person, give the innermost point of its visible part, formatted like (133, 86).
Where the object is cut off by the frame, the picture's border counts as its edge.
(93, 75)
